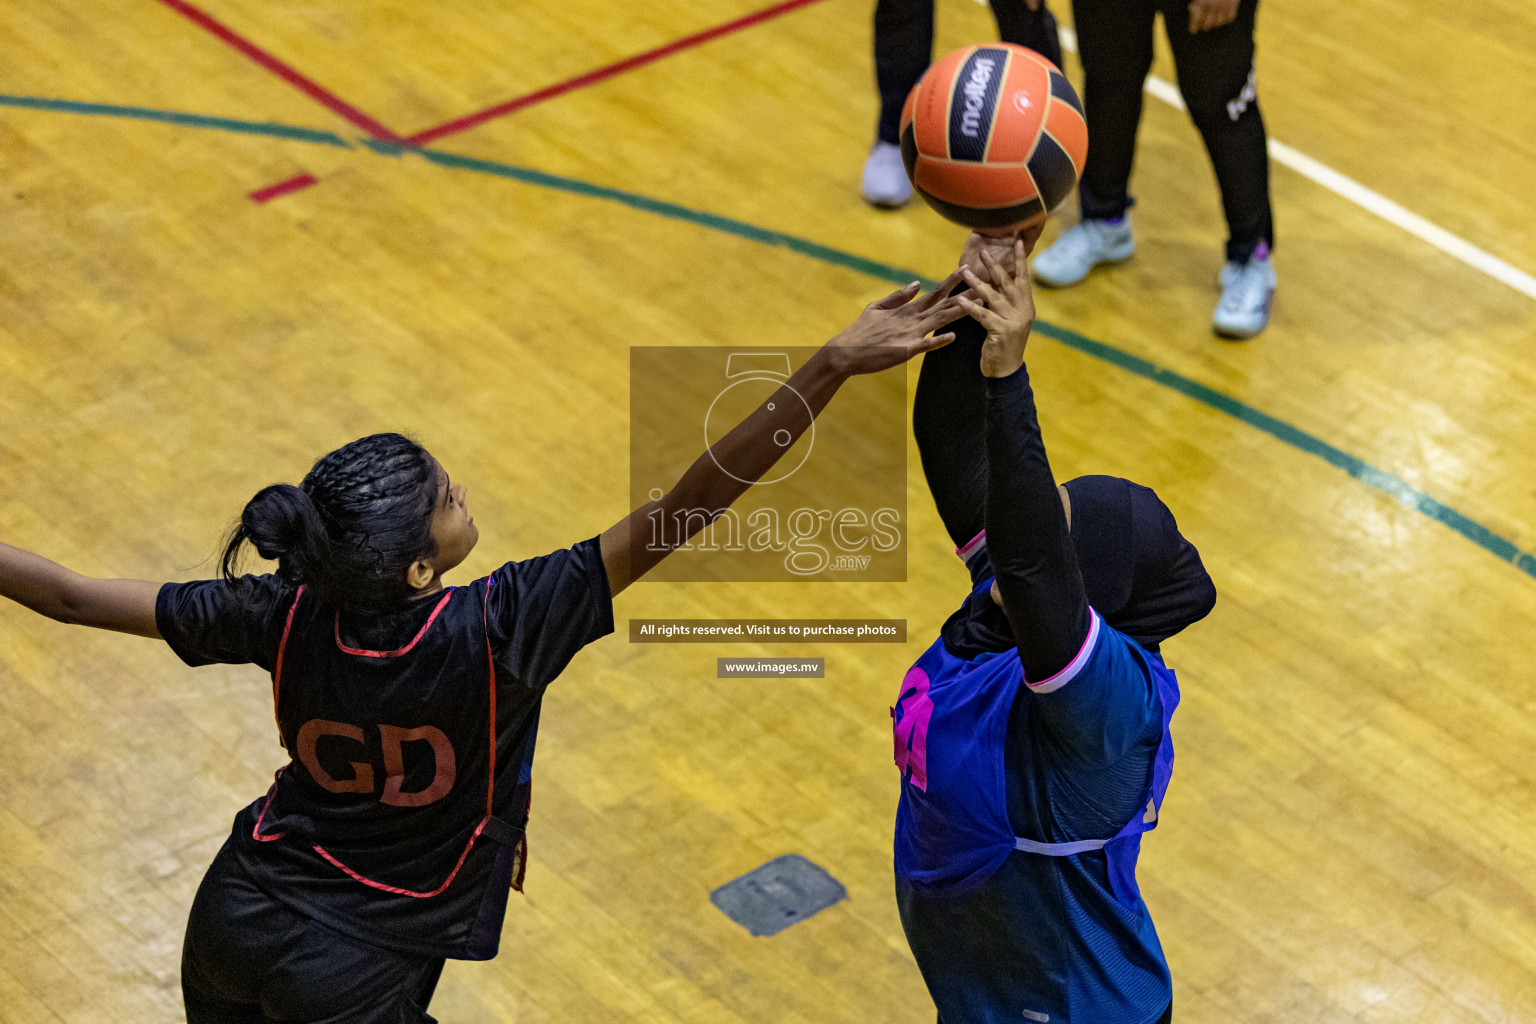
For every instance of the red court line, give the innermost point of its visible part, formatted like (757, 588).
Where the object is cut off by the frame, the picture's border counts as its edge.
(468, 121)
(282, 188)
(592, 77)
(311, 88)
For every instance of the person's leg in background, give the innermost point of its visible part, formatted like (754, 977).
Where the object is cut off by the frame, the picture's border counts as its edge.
(1216, 78)
(1114, 42)
(903, 51)
(1032, 26)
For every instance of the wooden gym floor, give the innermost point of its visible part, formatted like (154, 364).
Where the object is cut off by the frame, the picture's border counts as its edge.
(1351, 830)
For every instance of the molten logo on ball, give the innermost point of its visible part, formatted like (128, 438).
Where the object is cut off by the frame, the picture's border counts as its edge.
(975, 95)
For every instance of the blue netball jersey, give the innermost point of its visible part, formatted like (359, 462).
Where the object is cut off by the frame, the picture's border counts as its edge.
(1015, 873)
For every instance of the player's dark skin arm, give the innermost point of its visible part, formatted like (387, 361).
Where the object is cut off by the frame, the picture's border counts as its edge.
(1035, 565)
(888, 333)
(127, 606)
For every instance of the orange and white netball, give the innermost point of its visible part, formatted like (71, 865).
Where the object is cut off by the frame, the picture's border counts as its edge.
(993, 136)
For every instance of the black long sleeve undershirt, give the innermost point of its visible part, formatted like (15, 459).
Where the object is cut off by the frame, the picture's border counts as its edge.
(949, 416)
(1027, 538)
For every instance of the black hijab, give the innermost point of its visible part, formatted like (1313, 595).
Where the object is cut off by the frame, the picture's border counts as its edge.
(1140, 574)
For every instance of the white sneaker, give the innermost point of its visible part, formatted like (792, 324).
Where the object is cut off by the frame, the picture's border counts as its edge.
(1082, 247)
(1248, 293)
(885, 177)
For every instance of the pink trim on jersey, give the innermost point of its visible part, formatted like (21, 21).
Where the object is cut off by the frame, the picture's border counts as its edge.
(490, 789)
(406, 892)
(1074, 666)
(277, 684)
(971, 546)
(404, 650)
(277, 669)
(256, 829)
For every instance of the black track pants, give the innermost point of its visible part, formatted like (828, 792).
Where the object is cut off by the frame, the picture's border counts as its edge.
(248, 959)
(904, 47)
(1215, 70)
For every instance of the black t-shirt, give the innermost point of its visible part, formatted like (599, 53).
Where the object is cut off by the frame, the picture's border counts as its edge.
(398, 819)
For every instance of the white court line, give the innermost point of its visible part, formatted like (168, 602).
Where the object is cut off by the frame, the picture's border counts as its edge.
(1349, 188)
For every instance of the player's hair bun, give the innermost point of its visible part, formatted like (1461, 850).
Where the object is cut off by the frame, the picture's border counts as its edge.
(349, 533)
(282, 524)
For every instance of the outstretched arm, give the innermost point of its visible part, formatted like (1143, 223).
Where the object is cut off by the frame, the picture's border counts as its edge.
(949, 414)
(127, 606)
(1027, 539)
(888, 333)
(949, 423)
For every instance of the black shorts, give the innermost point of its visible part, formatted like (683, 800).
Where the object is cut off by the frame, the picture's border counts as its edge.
(249, 959)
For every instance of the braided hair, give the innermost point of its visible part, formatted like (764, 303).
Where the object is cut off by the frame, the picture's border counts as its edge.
(350, 531)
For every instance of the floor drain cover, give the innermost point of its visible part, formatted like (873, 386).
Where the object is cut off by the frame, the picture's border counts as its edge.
(768, 899)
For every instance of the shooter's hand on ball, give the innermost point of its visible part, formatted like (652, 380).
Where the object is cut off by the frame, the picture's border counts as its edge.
(1000, 246)
(892, 330)
(1008, 313)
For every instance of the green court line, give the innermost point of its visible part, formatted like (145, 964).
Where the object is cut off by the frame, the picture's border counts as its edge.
(1400, 489)
(223, 124)
(1388, 483)
(740, 229)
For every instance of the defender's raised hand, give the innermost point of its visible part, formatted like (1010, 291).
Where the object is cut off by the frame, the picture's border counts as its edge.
(892, 330)
(888, 333)
(1006, 309)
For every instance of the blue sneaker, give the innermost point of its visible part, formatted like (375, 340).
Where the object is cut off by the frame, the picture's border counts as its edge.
(1247, 295)
(1082, 247)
